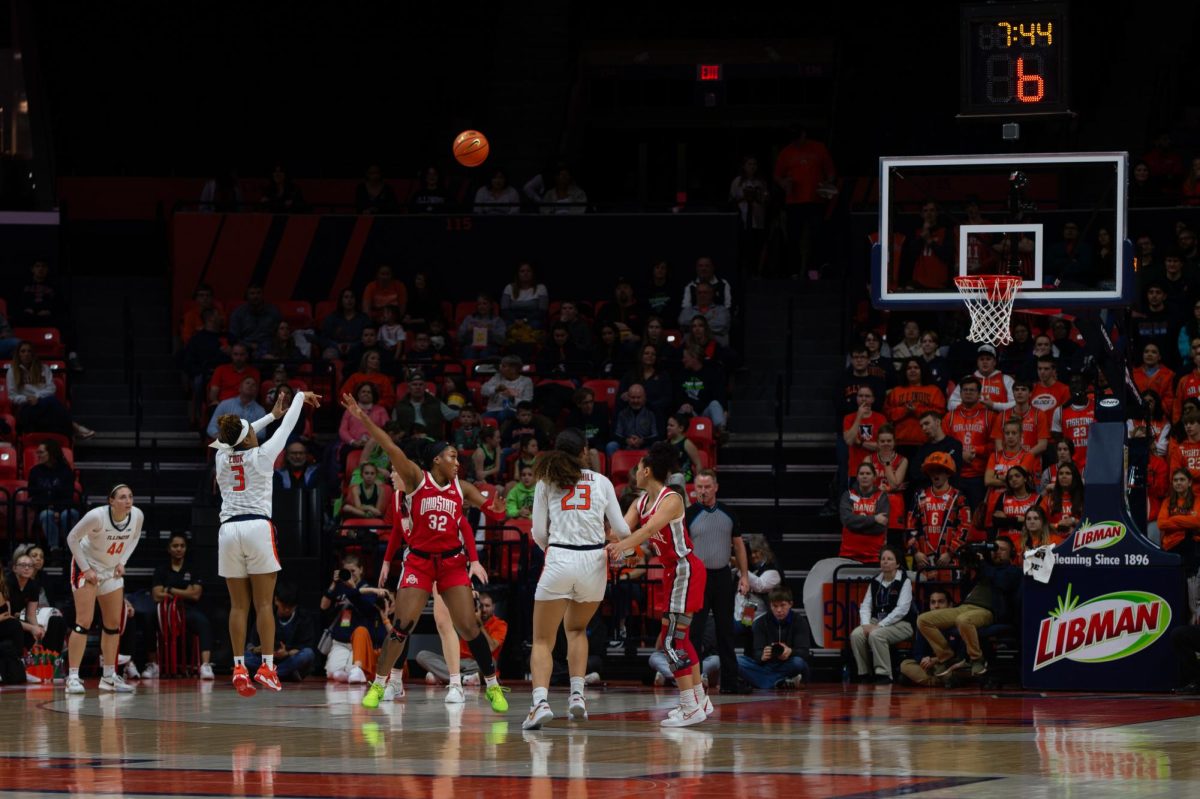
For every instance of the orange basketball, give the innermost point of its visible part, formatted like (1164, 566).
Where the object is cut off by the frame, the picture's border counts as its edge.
(470, 148)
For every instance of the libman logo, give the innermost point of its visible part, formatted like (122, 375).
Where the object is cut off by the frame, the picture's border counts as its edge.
(1107, 628)
(1100, 535)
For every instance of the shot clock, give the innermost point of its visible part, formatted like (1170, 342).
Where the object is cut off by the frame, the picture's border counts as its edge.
(1014, 59)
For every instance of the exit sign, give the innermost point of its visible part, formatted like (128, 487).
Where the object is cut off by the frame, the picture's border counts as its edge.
(707, 72)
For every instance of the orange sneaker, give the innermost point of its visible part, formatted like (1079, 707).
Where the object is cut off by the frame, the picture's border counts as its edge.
(268, 678)
(241, 681)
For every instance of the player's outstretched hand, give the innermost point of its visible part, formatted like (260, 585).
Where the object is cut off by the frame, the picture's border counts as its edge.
(312, 399)
(351, 406)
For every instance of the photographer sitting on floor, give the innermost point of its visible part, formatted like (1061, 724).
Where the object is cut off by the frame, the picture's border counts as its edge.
(989, 602)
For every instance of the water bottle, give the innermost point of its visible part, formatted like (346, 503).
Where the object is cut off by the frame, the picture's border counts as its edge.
(845, 675)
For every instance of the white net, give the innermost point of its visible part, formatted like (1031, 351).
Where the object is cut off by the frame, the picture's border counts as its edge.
(989, 299)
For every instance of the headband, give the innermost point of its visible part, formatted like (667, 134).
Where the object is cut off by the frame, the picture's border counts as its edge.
(223, 447)
(117, 488)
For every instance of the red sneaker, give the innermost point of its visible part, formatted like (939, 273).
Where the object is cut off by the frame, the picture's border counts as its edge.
(268, 678)
(241, 681)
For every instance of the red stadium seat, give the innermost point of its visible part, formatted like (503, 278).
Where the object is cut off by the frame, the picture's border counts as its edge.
(31, 440)
(5, 405)
(29, 458)
(352, 461)
(602, 461)
(606, 391)
(11, 421)
(60, 390)
(705, 459)
(8, 463)
(47, 341)
(623, 460)
(673, 337)
(324, 308)
(297, 313)
(461, 311)
(700, 433)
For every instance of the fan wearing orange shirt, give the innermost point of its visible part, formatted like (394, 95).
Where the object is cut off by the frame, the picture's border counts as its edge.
(1153, 376)
(1188, 386)
(1049, 395)
(892, 469)
(907, 402)
(1035, 423)
(859, 429)
(1063, 501)
(383, 291)
(1185, 454)
(1077, 418)
(971, 424)
(995, 387)
(1010, 454)
(1006, 509)
(940, 519)
(1179, 518)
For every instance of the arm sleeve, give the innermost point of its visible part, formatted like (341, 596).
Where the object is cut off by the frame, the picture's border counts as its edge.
(612, 510)
(1008, 387)
(489, 388)
(541, 516)
(395, 540)
(955, 399)
(75, 538)
(865, 606)
(901, 610)
(138, 519)
(728, 295)
(467, 533)
(762, 583)
(277, 442)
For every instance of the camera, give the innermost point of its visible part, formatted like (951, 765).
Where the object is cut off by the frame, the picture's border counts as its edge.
(974, 551)
(776, 650)
(343, 575)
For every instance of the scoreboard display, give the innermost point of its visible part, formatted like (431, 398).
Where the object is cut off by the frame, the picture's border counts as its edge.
(1014, 59)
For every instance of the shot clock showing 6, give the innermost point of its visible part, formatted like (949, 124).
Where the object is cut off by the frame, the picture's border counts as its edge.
(1014, 59)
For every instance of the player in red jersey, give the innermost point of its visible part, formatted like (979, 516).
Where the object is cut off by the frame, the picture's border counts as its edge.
(434, 555)
(658, 516)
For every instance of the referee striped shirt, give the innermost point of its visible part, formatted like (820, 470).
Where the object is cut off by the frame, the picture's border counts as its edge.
(712, 531)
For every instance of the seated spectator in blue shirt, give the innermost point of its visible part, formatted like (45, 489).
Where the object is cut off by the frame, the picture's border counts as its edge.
(297, 470)
(780, 638)
(295, 638)
(253, 322)
(343, 328)
(244, 406)
(635, 427)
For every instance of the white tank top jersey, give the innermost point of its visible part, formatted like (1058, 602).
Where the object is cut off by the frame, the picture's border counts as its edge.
(98, 543)
(575, 516)
(246, 476)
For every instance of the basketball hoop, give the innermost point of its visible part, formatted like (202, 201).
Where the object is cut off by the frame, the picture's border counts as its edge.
(989, 298)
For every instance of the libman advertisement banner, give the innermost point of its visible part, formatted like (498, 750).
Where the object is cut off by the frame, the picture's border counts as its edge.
(1103, 629)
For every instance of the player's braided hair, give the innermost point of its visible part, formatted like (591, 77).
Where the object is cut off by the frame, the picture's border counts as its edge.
(562, 466)
(229, 427)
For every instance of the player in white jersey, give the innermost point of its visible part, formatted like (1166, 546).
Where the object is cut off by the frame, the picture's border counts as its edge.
(570, 506)
(246, 555)
(101, 543)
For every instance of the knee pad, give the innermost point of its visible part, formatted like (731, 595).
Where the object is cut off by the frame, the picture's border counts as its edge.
(107, 631)
(677, 646)
(400, 633)
(80, 630)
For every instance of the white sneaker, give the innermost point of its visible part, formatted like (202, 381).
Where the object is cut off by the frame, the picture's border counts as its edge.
(131, 672)
(455, 695)
(686, 717)
(339, 676)
(115, 684)
(539, 714)
(577, 707)
(430, 678)
(206, 672)
(393, 690)
(471, 679)
(75, 686)
(591, 678)
(677, 711)
(150, 672)
(356, 676)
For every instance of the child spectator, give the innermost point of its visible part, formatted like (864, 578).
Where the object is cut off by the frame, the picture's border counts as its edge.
(520, 499)
(391, 332)
(780, 641)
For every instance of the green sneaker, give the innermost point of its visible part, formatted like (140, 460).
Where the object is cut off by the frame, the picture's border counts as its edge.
(495, 695)
(373, 696)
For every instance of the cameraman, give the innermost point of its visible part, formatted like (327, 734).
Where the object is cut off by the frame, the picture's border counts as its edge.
(495, 630)
(351, 623)
(990, 602)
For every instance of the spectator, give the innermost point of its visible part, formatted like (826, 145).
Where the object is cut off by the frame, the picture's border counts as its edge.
(193, 317)
(763, 576)
(281, 195)
(278, 381)
(1049, 394)
(1069, 262)
(635, 426)
(506, 388)
(1153, 322)
(717, 536)
(564, 197)
(780, 641)
(42, 304)
(31, 391)
(936, 440)
(226, 380)
(420, 407)
(705, 273)
(370, 370)
(525, 300)
(989, 602)
(467, 429)
(282, 396)
(1188, 332)
(581, 331)
(591, 418)
(373, 196)
(940, 519)
(892, 468)
(525, 456)
(710, 661)
(1165, 162)
(717, 316)
(298, 470)
(560, 358)
(497, 197)
(19, 592)
(8, 342)
(369, 498)
(1077, 418)
(751, 193)
(282, 347)
(971, 423)
(627, 579)
(440, 344)
(659, 296)
(205, 351)
(685, 451)
(424, 305)
(52, 492)
(369, 342)
(927, 253)
(1188, 386)
(519, 500)
(295, 638)
(995, 387)
(858, 375)
(222, 193)
(859, 429)
(253, 322)
(178, 578)
(611, 356)
(391, 332)
(526, 423)
(701, 388)
(430, 197)
(864, 515)
(1005, 511)
(878, 355)
(1035, 424)
(805, 173)
(353, 600)
(384, 290)
(1010, 454)
(1152, 425)
(487, 459)
(48, 616)
(909, 401)
(481, 334)
(886, 614)
(919, 668)
(351, 431)
(624, 311)
(938, 366)
(495, 630)
(244, 406)
(1035, 530)
(657, 383)
(909, 346)
(343, 328)
(1063, 499)
(664, 343)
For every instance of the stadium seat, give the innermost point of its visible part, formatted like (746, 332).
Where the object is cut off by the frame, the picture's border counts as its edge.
(31, 440)
(700, 433)
(5, 405)
(673, 337)
(352, 461)
(297, 313)
(29, 458)
(461, 311)
(324, 308)
(178, 651)
(11, 421)
(623, 460)
(606, 391)
(47, 341)
(8, 464)
(602, 461)
(705, 459)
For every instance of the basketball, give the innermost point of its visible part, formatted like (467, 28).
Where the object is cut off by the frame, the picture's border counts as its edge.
(470, 148)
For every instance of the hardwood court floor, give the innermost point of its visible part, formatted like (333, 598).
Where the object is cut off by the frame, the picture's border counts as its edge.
(181, 738)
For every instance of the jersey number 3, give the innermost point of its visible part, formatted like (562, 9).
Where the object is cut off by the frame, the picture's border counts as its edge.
(577, 498)
(239, 477)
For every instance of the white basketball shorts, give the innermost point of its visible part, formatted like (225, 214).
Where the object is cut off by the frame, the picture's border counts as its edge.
(245, 548)
(578, 575)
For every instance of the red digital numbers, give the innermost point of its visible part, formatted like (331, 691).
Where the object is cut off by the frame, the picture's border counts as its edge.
(1023, 78)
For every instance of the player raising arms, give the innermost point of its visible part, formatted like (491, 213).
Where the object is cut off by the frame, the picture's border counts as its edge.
(246, 555)
(101, 543)
(660, 514)
(434, 556)
(570, 504)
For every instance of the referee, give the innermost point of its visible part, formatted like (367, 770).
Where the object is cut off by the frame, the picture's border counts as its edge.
(715, 533)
